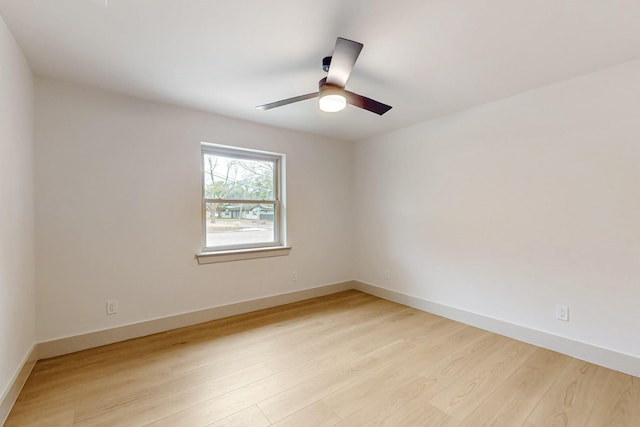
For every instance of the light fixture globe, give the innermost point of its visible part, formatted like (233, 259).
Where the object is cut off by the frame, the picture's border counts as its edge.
(332, 103)
(332, 97)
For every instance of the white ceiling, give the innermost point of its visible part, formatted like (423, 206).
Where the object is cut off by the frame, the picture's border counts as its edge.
(426, 58)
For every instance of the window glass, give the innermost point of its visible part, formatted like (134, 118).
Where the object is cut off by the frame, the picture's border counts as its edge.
(242, 206)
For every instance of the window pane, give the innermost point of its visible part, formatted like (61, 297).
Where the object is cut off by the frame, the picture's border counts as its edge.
(229, 224)
(238, 179)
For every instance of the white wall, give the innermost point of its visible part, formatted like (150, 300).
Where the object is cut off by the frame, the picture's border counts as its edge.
(504, 210)
(510, 208)
(17, 292)
(118, 195)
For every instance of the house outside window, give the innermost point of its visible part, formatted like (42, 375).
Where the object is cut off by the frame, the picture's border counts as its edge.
(242, 203)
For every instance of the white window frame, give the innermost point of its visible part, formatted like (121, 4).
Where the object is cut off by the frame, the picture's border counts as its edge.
(278, 247)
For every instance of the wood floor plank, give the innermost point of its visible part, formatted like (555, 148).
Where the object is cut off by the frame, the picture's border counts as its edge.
(352, 331)
(396, 370)
(400, 369)
(615, 403)
(571, 398)
(436, 358)
(252, 416)
(200, 413)
(346, 359)
(426, 415)
(289, 401)
(52, 418)
(207, 402)
(520, 393)
(463, 396)
(391, 407)
(309, 374)
(318, 415)
(634, 414)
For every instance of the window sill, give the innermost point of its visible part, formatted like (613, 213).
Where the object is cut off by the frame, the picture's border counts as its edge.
(240, 254)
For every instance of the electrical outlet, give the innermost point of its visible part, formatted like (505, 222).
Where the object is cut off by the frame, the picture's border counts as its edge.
(387, 275)
(112, 306)
(294, 276)
(562, 312)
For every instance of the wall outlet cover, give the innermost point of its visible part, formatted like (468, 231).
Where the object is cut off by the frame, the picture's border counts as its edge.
(112, 306)
(562, 312)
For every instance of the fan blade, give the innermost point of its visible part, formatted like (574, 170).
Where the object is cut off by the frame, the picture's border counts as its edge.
(287, 101)
(366, 103)
(344, 57)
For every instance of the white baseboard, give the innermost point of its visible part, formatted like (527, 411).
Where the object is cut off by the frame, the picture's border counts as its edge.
(584, 351)
(58, 347)
(17, 382)
(580, 350)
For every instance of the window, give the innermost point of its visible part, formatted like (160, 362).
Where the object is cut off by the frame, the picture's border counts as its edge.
(242, 203)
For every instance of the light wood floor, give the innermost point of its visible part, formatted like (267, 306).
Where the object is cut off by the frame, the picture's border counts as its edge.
(348, 359)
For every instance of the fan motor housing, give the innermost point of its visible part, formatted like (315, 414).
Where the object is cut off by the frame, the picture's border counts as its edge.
(327, 88)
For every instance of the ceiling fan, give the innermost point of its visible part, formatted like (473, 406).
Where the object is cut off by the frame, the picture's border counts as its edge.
(332, 93)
